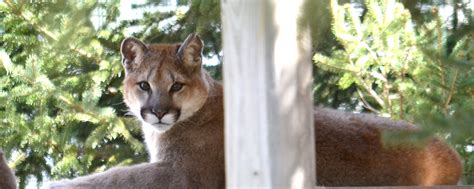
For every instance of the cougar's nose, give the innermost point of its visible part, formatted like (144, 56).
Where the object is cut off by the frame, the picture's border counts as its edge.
(159, 113)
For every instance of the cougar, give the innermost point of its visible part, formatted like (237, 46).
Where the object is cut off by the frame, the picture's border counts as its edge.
(181, 110)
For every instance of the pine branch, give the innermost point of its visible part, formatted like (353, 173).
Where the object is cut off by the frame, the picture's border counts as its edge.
(403, 71)
(372, 93)
(386, 90)
(28, 17)
(451, 92)
(367, 104)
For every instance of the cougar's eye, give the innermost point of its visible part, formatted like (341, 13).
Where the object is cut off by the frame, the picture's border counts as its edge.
(144, 85)
(176, 87)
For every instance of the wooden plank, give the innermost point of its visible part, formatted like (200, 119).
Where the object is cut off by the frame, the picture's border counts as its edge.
(399, 187)
(268, 106)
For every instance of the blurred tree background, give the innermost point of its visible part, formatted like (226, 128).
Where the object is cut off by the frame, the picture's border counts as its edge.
(61, 108)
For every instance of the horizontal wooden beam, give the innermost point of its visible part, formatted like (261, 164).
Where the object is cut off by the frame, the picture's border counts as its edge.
(399, 187)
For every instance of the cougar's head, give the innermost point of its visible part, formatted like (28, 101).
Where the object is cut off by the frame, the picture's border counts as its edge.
(164, 83)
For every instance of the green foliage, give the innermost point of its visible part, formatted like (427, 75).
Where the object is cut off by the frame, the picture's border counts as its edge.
(379, 51)
(406, 71)
(61, 110)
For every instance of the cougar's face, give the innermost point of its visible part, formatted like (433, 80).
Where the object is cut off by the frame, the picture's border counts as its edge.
(163, 83)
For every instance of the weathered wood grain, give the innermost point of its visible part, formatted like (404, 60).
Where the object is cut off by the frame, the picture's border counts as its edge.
(268, 106)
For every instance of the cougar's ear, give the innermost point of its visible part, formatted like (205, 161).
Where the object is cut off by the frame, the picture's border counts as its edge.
(190, 52)
(132, 51)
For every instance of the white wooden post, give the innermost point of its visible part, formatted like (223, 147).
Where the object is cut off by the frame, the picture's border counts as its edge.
(268, 103)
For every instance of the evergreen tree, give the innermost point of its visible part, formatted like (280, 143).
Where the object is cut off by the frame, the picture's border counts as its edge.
(61, 107)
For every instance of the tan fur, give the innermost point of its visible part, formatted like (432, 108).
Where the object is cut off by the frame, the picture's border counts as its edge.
(190, 152)
(7, 178)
